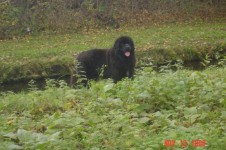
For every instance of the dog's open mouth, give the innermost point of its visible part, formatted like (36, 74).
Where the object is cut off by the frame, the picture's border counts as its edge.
(127, 54)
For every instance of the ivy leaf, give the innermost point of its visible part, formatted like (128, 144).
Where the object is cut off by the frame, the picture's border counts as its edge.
(223, 115)
(108, 87)
(144, 120)
(11, 135)
(144, 95)
(194, 118)
(14, 147)
(191, 110)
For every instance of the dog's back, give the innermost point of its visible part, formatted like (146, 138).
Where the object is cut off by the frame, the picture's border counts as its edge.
(91, 62)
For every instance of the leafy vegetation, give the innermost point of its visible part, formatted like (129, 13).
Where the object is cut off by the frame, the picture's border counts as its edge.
(137, 114)
(54, 55)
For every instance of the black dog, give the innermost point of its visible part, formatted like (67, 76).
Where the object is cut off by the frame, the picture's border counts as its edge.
(115, 63)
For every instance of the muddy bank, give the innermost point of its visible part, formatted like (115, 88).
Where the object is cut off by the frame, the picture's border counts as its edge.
(30, 84)
(17, 79)
(40, 83)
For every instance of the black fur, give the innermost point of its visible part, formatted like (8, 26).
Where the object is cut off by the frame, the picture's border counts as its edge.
(115, 63)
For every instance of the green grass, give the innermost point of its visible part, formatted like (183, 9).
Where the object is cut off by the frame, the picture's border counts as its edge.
(174, 41)
(139, 114)
(156, 37)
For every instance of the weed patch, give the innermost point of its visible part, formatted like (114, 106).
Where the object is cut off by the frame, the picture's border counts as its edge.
(140, 113)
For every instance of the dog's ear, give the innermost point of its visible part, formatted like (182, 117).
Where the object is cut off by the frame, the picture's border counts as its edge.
(116, 46)
(132, 45)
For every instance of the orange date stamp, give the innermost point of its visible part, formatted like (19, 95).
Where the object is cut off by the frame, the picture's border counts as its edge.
(185, 143)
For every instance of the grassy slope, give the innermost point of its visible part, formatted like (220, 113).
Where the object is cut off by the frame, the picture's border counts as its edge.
(19, 57)
(138, 114)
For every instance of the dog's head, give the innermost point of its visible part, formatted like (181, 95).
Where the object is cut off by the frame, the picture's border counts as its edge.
(124, 47)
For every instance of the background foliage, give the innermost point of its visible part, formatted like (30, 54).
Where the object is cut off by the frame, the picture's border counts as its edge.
(75, 15)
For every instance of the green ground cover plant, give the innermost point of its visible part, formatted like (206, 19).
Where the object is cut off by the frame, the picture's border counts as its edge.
(132, 114)
(54, 54)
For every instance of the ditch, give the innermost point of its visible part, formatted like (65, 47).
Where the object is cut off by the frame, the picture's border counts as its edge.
(24, 85)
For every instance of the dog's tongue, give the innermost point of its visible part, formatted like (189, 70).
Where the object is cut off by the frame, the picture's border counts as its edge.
(127, 54)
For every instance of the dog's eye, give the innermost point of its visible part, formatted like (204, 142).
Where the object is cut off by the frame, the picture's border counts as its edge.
(127, 46)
